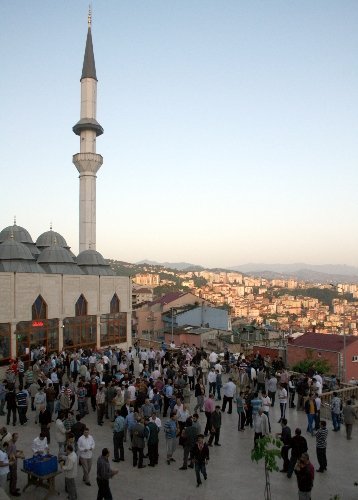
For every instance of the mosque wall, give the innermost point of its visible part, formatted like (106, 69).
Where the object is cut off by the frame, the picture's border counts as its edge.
(6, 291)
(18, 292)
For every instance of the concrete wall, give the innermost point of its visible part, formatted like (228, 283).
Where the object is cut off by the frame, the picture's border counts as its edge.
(211, 317)
(296, 354)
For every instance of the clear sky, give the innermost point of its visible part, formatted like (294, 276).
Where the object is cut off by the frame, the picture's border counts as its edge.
(230, 127)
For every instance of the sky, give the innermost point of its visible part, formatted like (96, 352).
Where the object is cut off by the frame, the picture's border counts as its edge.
(230, 127)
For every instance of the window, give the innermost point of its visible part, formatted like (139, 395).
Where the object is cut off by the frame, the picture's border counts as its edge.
(81, 306)
(114, 305)
(5, 335)
(355, 359)
(39, 309)
(113, 329)
(80, 331)
(30, 334)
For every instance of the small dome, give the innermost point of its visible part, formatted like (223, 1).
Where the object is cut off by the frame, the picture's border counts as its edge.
(48, 238)
(55, 254)
(16, 257)
(19, 234)
(13, 250)
(90, 258)
(92, 262)
(58, 260)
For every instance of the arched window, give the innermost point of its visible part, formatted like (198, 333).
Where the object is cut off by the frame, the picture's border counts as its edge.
(81, 306)
(114, 306)
(39, 309)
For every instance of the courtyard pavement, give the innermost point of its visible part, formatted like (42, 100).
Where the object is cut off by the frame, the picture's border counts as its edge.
(231, 473)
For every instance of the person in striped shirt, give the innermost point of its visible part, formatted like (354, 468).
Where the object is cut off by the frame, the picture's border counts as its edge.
(321, 446)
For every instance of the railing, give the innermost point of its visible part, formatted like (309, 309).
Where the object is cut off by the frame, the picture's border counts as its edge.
(349, 392)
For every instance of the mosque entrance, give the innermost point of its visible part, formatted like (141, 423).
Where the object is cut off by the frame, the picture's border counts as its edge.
(36, 333)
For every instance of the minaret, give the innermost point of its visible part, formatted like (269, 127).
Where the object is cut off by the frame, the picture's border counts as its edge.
(87, 161)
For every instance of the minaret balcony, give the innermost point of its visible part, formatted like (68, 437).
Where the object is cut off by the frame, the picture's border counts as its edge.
(87, 162)
(88, 124)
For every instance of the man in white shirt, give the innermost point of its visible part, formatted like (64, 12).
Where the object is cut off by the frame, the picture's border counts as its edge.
(229, 391)
(70, 471)
(204, 365)
(317, 386)
(151, 359)
(39, 445)
(155, 374)
(261, 426)
(218, 367)
(212, 381)
(85, 446)
(156, 420)
(4, 465)
(266, 404)
(213, 359)
(282, 397)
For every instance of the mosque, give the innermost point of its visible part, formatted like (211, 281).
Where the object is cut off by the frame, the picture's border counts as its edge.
(48, 296)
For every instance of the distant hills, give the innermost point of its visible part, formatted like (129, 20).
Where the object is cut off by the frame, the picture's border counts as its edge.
(297, 267)
(180, 266)
(324, 273)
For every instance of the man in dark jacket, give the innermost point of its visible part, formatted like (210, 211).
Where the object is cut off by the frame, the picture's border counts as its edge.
(285, 436)
(215, 427)
(305, 476)
(152, 435)
(189, 436)
(104, 474)
(10, 399)
(200, 454)
(298, 446)
(138, 443)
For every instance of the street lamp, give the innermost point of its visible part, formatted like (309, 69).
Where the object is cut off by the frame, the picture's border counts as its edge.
(172, 336)
(344, 356)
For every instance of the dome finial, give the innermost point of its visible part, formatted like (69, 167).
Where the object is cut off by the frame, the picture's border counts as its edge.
(89, 16)
(14, 220)
(51, 226)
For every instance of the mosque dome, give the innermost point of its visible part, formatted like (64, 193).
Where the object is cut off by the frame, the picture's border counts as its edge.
(13, 250)
(58, 260)
(92, 262)
(91, 258)
(18, 233)
(50, 237)
(55, 254)
(17, 257)
(21, 235)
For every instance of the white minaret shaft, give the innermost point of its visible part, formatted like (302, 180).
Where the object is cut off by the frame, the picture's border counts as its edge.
(87, 161)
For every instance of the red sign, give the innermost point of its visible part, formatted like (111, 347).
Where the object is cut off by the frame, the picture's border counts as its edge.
(37, 323)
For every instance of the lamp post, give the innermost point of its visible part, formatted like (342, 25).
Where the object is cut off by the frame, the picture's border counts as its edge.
(151, 321)
(344, 356)
(172, 336)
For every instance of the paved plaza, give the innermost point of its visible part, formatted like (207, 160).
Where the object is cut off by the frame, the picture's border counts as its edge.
(231, 474)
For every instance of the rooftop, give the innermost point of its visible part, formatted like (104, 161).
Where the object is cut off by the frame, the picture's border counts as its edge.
(330, 342)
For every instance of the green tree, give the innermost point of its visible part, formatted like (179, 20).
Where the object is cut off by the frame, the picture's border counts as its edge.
(268, 449)
(319, 365)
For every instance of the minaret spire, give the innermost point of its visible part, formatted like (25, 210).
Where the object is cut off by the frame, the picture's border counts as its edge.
(88, 162)
(89, 16)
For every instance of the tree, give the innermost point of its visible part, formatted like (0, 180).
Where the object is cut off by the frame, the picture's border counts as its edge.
(267, 448)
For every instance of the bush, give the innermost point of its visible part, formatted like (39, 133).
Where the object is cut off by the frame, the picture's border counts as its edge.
(319, 365)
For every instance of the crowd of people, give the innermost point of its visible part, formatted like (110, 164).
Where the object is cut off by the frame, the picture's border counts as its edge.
(137, 388)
